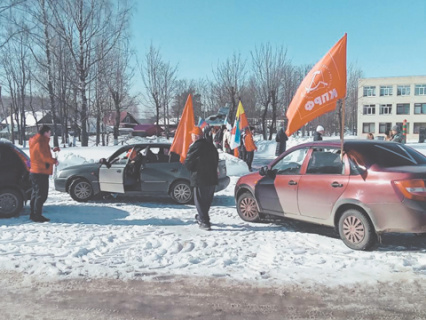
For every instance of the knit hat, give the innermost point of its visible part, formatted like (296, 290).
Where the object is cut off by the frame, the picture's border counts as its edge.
(396, 128)
(320, 128)
(197, 131)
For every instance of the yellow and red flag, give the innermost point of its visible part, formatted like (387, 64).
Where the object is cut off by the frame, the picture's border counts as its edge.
(183, 139)
(320, 89)
(240, 123)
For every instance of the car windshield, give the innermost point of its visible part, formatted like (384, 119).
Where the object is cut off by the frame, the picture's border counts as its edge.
(385, 155)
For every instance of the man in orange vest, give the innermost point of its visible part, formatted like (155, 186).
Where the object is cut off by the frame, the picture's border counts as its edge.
(249, 146)
(41, 167)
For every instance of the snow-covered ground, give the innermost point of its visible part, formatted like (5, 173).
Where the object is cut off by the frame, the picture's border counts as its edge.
(146, 238)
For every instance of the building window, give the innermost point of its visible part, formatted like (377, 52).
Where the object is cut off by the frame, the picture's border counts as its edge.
(403, 108)
(385, 109)
(369, 91)
(369, 109)
(418, 126)
(420, 90)
(420, 108)
(368, 127)
(403, 91)
(384, 126)
(385, 91)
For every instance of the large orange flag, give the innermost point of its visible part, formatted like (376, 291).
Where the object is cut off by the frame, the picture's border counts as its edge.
(183, 139)
(319, 91)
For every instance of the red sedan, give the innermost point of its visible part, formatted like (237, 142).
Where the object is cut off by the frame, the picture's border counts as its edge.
(374, 188)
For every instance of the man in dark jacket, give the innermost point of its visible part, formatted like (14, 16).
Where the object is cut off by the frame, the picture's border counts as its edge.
(202, 160)
(281, 139)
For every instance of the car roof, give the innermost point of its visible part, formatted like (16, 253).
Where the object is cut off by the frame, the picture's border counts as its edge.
(347, 143)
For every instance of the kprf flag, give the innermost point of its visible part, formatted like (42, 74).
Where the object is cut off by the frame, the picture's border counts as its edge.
(240, 123)
(201, 123)
(320, 89)
(183, 138)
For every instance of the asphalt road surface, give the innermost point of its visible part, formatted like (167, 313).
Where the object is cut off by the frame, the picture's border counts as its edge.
(170, 298)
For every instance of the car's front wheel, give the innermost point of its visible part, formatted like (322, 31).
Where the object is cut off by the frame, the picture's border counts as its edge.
(11, 203)
(247, 207)
(81, 190)
(181, 192)
(356, 230)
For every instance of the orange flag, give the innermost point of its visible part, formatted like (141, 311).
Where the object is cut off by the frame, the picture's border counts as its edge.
(319, 91)
(183, 138)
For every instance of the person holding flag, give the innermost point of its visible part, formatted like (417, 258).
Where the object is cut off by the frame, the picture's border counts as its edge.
(202, 160)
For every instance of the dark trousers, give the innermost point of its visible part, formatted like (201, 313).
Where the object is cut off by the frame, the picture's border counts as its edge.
(249, 158)
(40, 183)
(203, 197)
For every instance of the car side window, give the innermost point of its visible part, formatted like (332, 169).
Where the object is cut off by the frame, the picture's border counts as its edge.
(291, 163)
(325, 161)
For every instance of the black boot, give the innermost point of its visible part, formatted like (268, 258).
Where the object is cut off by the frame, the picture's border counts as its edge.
(201, 224)
(39, 218)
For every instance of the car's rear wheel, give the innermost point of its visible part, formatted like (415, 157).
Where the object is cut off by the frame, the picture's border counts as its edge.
(181, 192)
(247, 207)
(356, 230)
(81, 190)
(11, 203)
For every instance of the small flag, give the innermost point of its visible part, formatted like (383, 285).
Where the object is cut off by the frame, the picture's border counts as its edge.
(201, 123)
(240, 123)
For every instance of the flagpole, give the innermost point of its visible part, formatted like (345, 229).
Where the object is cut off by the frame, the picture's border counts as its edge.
(342, 129)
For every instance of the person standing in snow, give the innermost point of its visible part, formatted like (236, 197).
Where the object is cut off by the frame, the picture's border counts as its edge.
(226, 142)
(281, 139)
(41, 167)
(318, 133)
(250, 147)
(202, 160)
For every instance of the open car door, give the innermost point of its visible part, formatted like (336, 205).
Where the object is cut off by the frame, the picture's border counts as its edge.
(111, 176)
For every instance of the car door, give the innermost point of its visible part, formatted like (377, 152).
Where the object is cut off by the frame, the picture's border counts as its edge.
(276, 193)
(157, 174)
(111, 178)
(323, 183)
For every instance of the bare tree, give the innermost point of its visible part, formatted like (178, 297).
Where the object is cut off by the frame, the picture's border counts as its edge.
(351, 104)
(118, 80)
(160, 82)
(268, 68)
(230, 79)
(87, 26)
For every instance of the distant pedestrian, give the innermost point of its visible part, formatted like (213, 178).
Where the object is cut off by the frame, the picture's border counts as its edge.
(226, 142)
(41, 167)
(397, 135)
(202, 160)
(319, 133)
(249, 146)
(370, 136)
(388, 135)
(281, 139)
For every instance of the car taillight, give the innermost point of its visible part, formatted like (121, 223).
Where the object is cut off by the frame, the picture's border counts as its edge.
(412, 189)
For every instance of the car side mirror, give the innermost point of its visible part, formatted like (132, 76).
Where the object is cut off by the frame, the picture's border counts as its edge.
(263, 171)
(105, 162)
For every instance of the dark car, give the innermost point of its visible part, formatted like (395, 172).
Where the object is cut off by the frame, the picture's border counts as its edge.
(135, 170)
(15, 184)
(377, 187)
